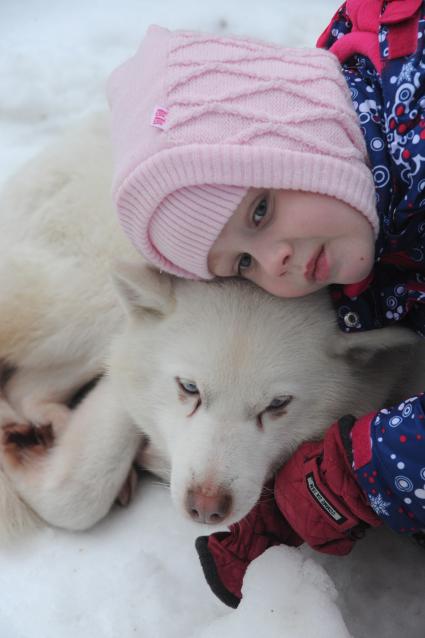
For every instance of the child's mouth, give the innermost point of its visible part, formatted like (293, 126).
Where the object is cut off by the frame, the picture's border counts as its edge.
(321, 270)
(318, 267)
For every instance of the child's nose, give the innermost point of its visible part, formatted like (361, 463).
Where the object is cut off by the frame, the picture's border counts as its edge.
(275, 260)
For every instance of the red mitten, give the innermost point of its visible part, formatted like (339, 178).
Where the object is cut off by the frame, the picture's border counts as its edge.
(225, 556)
(318, 494)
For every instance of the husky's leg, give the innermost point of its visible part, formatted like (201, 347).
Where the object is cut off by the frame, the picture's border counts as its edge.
(16, 518)
(74, 484)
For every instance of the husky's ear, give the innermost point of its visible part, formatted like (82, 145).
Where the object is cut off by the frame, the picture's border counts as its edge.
(364, 346)
(143, 289)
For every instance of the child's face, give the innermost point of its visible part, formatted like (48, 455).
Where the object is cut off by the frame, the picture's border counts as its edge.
(291, 243)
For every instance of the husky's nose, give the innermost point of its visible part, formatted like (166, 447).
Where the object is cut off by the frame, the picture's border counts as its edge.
(208, 508)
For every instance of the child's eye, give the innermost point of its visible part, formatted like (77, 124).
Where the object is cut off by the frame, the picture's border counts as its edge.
(244, 263)
(260, 212)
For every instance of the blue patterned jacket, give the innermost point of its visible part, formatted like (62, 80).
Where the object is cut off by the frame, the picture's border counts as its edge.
(381, 47)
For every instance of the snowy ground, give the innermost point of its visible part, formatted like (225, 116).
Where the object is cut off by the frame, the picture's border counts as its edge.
(137, 574)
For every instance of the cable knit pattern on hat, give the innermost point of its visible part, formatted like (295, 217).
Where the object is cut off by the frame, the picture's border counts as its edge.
(198, 119)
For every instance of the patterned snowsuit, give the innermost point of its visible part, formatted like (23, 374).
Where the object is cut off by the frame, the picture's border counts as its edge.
(370, 470)
(386, 76)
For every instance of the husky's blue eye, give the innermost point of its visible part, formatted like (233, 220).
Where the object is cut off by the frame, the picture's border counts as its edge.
(260, 212)
(279, 403)
(188, 386)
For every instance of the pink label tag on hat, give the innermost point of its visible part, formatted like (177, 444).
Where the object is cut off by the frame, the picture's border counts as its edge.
(159, 117)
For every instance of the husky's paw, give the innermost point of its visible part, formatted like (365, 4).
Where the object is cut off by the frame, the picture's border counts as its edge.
(23, 443)
(126, 493)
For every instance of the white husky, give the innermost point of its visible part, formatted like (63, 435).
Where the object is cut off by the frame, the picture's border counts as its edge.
(211, 385)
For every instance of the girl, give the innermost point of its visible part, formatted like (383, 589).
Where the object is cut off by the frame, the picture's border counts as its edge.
(296, 169)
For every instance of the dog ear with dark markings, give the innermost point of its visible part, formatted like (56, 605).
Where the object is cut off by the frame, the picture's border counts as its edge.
(143, 289)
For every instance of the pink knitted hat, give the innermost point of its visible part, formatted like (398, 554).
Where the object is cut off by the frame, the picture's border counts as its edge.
(198, 119)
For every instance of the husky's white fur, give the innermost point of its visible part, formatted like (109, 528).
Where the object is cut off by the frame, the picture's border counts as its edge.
(214, 383)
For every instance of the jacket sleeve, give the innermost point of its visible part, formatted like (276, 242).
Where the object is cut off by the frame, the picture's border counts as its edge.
(388, 457)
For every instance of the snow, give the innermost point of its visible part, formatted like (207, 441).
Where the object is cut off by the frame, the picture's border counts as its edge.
(137, 573)
(277, 609)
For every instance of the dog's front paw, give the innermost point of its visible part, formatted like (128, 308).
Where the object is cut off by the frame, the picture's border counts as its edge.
(23, 443)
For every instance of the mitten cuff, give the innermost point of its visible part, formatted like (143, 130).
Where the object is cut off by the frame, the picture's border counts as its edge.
(211, 573)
